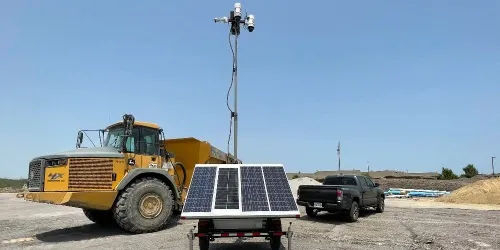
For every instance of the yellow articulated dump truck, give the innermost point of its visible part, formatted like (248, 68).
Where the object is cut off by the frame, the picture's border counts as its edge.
(136, 179)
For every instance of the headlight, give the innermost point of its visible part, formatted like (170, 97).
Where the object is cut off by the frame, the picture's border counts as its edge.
(56, 162)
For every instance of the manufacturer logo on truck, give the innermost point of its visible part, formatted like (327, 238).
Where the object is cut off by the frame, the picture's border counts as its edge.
(55, 177)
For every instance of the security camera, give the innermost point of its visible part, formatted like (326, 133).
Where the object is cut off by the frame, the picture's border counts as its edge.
(237, 12)
(249, 22)
(221, 20)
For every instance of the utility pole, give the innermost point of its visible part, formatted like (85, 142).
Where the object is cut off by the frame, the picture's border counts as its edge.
(235, 20)
(493, 165)
(338, 153)
(368, 166)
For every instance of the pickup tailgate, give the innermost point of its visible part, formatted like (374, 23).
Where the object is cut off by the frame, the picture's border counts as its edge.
(318, 193)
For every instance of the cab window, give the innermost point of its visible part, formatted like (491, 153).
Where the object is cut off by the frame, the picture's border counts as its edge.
(362, 181)
(369, 182)
(131, 143)
(149, 143)
(115, 136)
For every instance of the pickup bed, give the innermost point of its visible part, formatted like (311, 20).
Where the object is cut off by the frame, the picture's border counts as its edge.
(341, 193)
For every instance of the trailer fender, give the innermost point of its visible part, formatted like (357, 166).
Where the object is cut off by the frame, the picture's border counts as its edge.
(161, 174)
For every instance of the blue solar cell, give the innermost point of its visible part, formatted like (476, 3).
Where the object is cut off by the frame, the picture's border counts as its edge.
(227, 195)
(200, 192)
(253, 191)
(278, 189)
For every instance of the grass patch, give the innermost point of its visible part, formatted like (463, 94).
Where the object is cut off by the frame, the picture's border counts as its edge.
(12, 183)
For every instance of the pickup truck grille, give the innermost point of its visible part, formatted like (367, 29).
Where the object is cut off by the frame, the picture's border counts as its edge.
(35, 175)
(90, 174)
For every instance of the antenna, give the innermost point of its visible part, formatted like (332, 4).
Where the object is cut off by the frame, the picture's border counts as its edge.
(235, 20)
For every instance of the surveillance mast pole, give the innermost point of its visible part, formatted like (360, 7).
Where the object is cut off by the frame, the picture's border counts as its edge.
(235, 20)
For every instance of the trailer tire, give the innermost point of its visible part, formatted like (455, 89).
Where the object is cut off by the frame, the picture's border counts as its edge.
(275, 242)
(144, 206)
(204, 243)
(101, 217)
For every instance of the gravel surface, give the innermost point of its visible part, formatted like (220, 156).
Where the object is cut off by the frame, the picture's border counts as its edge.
(406, 224)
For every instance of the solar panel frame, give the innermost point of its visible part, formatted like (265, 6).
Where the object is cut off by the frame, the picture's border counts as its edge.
(237, 213)
(286, 200)
(223, 190)
(186, 202)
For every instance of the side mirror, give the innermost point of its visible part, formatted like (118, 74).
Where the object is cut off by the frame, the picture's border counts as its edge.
(79, 139)
(376, 184)
(170, 155)
(128, 123)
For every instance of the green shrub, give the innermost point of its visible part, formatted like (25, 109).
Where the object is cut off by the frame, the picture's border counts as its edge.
(470, 171)
(447, 174)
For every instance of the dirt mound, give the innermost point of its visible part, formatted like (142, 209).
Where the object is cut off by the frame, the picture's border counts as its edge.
(295, 183)
(443, 185)
(479, 192)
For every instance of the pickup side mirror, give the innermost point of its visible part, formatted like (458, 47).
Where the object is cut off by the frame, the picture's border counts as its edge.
(376, 184)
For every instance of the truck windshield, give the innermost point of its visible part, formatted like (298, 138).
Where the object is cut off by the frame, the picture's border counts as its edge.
(114, 138)
(340, 180)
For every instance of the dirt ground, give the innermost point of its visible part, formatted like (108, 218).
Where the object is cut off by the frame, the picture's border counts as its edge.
(406, 224)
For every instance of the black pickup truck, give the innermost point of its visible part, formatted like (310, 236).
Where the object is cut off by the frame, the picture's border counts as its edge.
(341, 193)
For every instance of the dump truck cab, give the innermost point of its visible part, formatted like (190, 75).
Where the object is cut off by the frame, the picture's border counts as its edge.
(135, 179)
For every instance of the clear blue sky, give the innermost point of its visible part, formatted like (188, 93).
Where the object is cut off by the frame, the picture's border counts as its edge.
(403, 84)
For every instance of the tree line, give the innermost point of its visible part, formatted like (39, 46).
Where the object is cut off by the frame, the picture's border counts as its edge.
(469, 172)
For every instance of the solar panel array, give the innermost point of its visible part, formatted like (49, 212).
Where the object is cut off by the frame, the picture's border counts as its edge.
(253, 190)
(199, 199)
(227, 196)
(278, 189)
(240, 190)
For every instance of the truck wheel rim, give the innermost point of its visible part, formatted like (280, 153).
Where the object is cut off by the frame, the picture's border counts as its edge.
(382, 204)
(355, 212)
(150, 206)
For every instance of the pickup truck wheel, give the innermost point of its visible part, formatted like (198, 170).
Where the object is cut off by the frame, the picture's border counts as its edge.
(380, 205)
(311, 212)
(353, 213)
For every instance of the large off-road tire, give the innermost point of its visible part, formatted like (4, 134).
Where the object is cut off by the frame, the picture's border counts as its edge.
(101, 217)
(144, 206)
(353, 213)
(380, 205)
(311, 212)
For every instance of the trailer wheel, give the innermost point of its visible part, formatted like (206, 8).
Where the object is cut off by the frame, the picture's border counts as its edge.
(204, 243)
(145, 206)
(275, 242)
(101, 217)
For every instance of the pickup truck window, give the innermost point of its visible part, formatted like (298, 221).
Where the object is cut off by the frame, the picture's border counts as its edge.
(370, 182)
(340, 180)
(362, 181)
